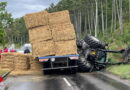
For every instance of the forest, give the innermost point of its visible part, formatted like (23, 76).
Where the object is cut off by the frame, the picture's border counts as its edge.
(108, 20)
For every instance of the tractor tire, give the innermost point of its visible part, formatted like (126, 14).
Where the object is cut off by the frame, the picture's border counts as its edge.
(94, 42)
(82, 67)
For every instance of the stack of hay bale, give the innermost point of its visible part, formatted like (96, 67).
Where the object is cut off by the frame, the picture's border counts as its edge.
(7, 61)
(21, 62)
(40, 34)
(63, 33)
(51, 33)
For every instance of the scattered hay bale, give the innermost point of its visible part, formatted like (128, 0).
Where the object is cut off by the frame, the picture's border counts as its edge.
(36, 19)
(66, 47)
(63, 32)
(7, 61)
(44, 48)
(59, 17)
(40, 34)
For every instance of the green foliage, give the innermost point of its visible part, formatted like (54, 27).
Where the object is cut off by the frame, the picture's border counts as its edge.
(5, 23)
(123, 71)
(19, 31)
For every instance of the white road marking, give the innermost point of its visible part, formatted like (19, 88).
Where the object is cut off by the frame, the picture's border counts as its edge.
(67, 82)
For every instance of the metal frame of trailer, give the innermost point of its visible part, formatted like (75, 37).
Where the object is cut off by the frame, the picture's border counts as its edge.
(59, 62)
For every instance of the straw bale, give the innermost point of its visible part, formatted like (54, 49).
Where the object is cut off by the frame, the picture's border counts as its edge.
(63, 32)
(7, 61)
(39, 34)
(59, 17)
(35, 64)
(66, 47)
(36, 19)
(21, 62)
(28, 72)
(44, 48)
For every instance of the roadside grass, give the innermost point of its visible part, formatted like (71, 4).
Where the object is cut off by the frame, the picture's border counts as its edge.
(121, 70)
(2, 72)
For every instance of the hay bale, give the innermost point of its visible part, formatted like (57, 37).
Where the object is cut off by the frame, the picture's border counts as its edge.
(59, 17)
(7, 61)
(36, 19)
(44, 48)
(63, 32)
(21, 62)
(66, 47)
(39, 34)
(35, 64)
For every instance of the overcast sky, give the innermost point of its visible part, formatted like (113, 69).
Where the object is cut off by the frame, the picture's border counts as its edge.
(19, 8)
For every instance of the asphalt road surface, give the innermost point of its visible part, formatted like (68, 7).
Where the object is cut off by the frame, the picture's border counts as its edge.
(80, 81)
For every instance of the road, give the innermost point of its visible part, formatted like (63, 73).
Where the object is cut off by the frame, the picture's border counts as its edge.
(80, 81)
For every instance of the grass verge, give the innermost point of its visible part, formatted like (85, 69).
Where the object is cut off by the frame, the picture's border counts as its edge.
(121, 70)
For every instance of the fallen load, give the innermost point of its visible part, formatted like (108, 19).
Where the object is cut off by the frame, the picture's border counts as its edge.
(20, 63)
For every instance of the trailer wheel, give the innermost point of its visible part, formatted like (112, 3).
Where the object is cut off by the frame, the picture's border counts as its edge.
(94, 42)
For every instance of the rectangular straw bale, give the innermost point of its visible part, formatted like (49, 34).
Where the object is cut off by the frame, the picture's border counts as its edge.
(7, 61)
(66, 47)
(40, 34)
(21, 62)
(65, 32)
(44, 48)
(35, 64)
(59, 17)
(36, 19)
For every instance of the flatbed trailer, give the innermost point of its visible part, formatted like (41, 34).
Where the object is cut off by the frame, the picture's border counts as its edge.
(68, 62)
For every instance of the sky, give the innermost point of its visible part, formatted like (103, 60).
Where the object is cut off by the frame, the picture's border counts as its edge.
(19, 8)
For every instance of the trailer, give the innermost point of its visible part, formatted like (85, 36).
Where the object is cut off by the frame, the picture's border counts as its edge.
(68, 62)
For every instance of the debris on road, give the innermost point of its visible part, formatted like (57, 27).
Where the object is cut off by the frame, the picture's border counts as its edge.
(20, 63)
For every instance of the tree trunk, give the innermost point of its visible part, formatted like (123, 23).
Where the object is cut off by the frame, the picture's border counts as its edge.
(96, 1)
(80, 25)
(121, 22)
(102, 19)
(85, 24)
(129, 10)
(90, 32)
(112, 18)
(115, 14)
(106, 15)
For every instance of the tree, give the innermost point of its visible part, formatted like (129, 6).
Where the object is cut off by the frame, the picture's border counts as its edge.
(5, 22)
(96, 25)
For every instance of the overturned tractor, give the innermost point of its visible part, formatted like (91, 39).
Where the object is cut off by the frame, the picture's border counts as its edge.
(93, 54)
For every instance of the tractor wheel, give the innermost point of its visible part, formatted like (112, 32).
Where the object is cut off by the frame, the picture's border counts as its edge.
(94, 42)
(83, 67)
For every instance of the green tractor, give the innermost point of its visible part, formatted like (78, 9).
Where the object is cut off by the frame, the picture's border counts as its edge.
(93, 54)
